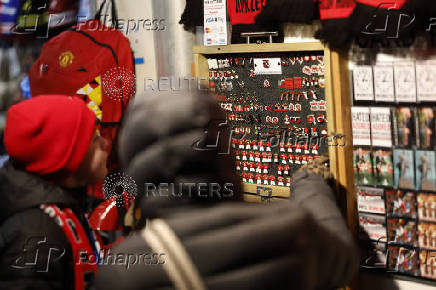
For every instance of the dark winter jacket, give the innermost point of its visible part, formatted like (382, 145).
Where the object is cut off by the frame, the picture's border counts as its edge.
(298, 244)
(34, 251)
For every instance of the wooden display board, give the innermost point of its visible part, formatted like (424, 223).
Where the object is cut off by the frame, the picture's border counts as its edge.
(201, 70)
(337, 95)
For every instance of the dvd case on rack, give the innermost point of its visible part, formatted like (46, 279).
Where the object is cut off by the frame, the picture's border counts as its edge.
(401, 204)
(426, 206)
(404, 169)
(425, 170)
(383, 168)
(381, 127)
(426, 127)
(370, 200)
(362, 167)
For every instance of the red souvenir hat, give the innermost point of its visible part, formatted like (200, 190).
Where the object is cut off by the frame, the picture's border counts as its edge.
(49, 134)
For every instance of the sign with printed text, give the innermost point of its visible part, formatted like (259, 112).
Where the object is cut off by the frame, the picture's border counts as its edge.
(426, 79)
(405, 82)
(363, 83)
(215, 25)
(267, 66)
(361, 126)
(384, 82)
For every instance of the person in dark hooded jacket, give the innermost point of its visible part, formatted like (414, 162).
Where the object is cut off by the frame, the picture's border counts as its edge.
(55, 152)
(198, 238)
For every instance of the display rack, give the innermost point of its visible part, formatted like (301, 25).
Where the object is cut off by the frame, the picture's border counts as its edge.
(335, 148)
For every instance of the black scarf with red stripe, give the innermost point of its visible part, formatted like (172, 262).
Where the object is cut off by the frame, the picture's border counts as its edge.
(373, 22)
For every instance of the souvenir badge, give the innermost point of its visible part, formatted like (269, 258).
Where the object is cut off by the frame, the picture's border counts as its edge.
(286, 167)
(307, 58)
(265, 168)
(251, 165)
(238, 165)
(320, 59)
(324, 133)
(288, 181)
(276, 157)
(292, 60)
(258, 178)
(306, 148)
(289, 145)
(307, 70)
(268, 145)
(282, 147)
(241, 144)
(234, 142)
(313, 58)
(244, 177)
(298, 148)
(258, 168)
(304, 159)
(280, 181)
(291, 158)
(251, 155)
(237, 153)
(247, 144)
(321, 82)
(272, 180)
(297, 159)
(265, 179)
(279, 170)
(320, 118)
(300, 59)
(311, 119)
(250, 178)
(297, 83)
(284, 158)
(266, 84)
(254, 144)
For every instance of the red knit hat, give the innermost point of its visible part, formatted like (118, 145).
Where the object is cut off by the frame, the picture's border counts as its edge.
(49, 134)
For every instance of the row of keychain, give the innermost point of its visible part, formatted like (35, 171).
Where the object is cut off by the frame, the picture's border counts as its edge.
(303, 83)
(242, 61)
(265, 179)
(229, 62)
(277, 130)
(261, 167)
(311, 119)
(265, 146)
(294, 83)
(285, 158)
(315, 106)
(238, 98)
(293, 60)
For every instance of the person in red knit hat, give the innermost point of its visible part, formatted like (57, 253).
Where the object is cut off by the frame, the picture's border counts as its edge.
(55, 152)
